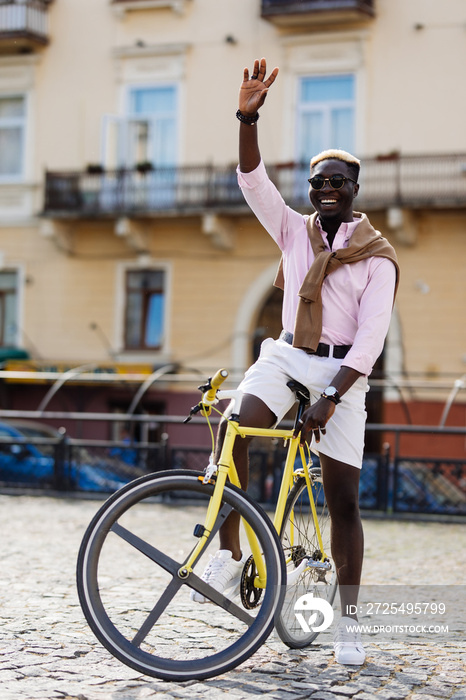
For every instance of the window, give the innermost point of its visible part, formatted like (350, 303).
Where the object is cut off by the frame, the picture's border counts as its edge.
(145, 139)
(12, 137)
(325, 114)
(145, 309)
(157, 108)
(148, 131)
(8, 308)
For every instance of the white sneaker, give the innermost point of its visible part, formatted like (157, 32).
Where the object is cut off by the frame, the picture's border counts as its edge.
(347, 643)
(222, 573)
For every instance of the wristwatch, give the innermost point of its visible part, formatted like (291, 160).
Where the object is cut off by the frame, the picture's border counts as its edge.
(331, 394)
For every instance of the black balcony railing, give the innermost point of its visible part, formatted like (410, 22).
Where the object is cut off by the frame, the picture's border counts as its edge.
(405, 181)
(23, 24)
(167, 189)
(293, 11)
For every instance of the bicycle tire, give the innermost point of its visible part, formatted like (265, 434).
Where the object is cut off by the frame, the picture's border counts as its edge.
(320, 584)
(121, 580)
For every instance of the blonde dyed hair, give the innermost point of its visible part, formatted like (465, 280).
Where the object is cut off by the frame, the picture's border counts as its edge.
(337, 154)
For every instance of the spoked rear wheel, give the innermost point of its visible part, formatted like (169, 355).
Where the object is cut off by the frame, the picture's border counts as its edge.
(136, 602)
(300, 543)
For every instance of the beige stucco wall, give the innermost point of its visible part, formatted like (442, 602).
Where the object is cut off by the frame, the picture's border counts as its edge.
(67, 292)
(407, 79)
(409, 99)
(432, 293)
(64, 294)
(432, 299)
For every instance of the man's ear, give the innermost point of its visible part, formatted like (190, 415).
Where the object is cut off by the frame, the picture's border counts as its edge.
(356, 189)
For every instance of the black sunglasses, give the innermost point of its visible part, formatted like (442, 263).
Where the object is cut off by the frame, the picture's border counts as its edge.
(336, 182)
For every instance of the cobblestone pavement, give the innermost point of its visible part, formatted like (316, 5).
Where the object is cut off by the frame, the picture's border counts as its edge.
(47, 650)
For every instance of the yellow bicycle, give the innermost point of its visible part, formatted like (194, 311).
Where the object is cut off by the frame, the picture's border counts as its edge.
(147, 546)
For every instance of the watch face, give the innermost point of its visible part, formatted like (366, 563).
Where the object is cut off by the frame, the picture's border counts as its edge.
(331, 391)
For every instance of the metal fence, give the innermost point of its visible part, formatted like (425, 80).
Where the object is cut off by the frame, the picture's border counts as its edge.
(389, 482)
(64, 464)
(434, 486)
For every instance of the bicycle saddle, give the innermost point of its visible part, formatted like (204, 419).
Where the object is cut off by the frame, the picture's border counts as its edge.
(302, 392)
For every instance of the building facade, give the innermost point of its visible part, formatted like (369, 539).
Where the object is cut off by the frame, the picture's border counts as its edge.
(125, 244)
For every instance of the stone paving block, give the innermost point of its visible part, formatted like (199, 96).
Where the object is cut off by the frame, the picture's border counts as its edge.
(251, 688)
(347, 690)
(7, 675)
(436, 689)
(453, 679)
(312, 668)
(287, 695)
(372, 669)
(272, 668)
(333, 675)
(459, 695)
(422, 696)
(410, 678)
(304, 674)
(305, 686)
(394, 691)
(368, 683)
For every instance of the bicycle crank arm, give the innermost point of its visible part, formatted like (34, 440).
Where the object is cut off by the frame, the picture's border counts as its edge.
(292, 576)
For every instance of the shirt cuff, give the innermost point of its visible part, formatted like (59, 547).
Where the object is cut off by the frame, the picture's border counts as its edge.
(252, 179)
(360, 361)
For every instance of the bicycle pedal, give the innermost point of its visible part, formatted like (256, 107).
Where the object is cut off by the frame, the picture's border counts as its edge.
(322, 565)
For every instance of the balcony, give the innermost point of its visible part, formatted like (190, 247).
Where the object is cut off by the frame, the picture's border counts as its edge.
(413, 182)
(122, 6)
(288, 13)
(23, 25)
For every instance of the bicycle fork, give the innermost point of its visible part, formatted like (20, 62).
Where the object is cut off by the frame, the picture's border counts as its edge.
(226, 469)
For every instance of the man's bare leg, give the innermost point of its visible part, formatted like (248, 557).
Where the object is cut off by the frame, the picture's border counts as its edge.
(341, 486)
(254, 413)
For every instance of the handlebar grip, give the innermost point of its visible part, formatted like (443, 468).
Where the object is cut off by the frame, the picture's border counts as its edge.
(216, 382)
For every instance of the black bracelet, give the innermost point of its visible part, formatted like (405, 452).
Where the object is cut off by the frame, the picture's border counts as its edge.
(247, 120)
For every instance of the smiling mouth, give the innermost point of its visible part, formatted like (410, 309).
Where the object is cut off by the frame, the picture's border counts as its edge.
(328, 201)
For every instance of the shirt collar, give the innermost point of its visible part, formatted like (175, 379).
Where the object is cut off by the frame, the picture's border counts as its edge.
(345, 230)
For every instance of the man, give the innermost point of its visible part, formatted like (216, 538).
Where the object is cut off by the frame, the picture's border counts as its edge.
(339, 278)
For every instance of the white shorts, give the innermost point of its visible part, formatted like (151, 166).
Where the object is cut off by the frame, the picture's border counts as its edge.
(279, 362)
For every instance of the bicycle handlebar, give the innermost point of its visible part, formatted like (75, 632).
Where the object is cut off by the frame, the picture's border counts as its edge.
(209, 395)
(215, 383)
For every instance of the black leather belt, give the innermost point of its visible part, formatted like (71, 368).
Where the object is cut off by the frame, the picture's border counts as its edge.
(323, 350)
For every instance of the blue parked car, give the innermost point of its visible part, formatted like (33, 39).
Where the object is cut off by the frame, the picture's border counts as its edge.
(33, 463)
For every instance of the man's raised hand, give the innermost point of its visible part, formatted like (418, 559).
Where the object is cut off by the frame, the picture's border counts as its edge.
(254, 89)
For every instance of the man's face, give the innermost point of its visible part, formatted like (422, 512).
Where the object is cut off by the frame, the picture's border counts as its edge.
(330, 203)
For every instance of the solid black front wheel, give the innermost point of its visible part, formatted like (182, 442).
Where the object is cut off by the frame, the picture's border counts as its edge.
(135, 595)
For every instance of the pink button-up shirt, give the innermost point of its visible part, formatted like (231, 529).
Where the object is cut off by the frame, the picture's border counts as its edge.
(357, 298)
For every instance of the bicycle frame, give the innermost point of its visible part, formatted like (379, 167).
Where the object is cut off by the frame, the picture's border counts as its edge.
(226, 470)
